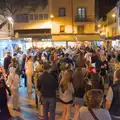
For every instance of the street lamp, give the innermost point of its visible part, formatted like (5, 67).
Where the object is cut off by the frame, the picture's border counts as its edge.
(99, 25)
(11, 21)
(51, 16)
(113, 15)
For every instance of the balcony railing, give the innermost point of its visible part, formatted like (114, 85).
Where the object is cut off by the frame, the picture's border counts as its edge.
(79, 18)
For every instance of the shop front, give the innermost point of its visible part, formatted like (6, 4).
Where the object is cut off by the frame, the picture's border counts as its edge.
(116, 44)
(10, 46)
(113, 42)
(77, 39)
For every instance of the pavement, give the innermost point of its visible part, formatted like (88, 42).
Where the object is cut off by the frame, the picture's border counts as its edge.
(28, 110)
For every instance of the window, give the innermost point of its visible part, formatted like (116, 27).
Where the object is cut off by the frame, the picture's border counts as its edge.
(113, 31)
(25, 17)
(62, 28)
(80, 28)
(35, 16)
(62, 12)
(22, 18)
(81, 12)
(31, 17)
(40, 16)
(45, 16)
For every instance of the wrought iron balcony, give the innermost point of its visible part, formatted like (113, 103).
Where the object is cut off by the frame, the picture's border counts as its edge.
(79, 18)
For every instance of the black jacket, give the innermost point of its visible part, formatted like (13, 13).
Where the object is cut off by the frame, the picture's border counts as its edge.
(7, 62)
(47, 85)
(115, 106)
(3, 94)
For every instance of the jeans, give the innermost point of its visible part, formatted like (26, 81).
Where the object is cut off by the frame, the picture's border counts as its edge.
(49, 105)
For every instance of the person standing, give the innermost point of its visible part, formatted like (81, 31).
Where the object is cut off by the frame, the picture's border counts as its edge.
(79, 89)
(23, 70)
(66, 92)
(38, 70)
(29, 73)
(4, 111)
(47, 85)
(93, 111)
(7, 61)
(113, 97)
(13, 81)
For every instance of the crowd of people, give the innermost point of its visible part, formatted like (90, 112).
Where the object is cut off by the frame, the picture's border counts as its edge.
(84, 78)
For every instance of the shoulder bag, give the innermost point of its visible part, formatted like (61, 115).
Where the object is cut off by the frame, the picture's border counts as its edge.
(92, 113)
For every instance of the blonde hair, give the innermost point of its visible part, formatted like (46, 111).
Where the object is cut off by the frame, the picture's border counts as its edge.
(67, 77)
(78, 79)
(93, 98)
(117, 74)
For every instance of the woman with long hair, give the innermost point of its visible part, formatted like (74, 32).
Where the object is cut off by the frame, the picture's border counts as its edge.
(79, 89)
(66, 93)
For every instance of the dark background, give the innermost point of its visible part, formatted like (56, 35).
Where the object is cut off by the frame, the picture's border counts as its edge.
(104, 6)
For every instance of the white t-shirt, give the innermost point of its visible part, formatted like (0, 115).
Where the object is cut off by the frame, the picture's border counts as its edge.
(67, 96)
(36, 64)
(101, 114)
(88, 56)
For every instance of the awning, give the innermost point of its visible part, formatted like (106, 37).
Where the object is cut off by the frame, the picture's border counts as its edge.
(76, 37)
(63, 38)
(113, 37)
(33, 32)
(88, 37)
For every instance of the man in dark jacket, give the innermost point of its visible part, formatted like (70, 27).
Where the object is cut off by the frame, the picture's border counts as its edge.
(113, 97)
(7, 62)
(47, 85)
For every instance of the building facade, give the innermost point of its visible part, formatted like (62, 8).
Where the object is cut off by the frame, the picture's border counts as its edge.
(109, 27)
(6, 32)
(5, 28)
(104, 6)
(61, 21)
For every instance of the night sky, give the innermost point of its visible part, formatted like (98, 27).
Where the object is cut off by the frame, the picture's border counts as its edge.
(104, 6)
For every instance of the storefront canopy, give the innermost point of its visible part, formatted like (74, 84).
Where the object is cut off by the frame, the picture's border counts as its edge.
(33, 32)
(63, 38)
(88, 37)
(75, 37)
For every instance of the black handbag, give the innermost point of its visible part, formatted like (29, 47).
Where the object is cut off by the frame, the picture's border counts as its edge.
(92, 113)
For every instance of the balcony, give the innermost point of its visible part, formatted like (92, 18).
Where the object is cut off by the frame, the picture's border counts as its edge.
(79, 18)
